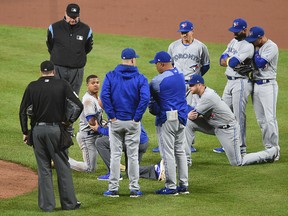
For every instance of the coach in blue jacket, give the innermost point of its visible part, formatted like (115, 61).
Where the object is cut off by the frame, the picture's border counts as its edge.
(168, 104)
(125, 96)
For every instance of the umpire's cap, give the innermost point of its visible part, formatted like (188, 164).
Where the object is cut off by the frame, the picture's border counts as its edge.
(73, 10)
(46, 66)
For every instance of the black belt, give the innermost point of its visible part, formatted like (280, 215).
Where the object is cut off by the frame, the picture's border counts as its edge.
(260, 82)
(234, 78)
(224, 126)
(46, 123)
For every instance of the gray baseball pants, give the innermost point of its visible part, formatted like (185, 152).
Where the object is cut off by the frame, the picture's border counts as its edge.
(124, 133)
(170, 138)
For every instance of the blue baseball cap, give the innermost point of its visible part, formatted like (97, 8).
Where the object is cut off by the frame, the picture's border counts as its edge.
(195, 79)
(254, 33)
(185, 26)
(129, 53)
(161, 56)
(238, 25)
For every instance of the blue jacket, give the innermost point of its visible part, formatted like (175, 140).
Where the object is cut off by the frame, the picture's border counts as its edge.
(143, 136)
(125, 93)
(168, 93)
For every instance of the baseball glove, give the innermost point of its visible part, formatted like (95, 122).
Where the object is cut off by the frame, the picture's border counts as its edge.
(245, 67)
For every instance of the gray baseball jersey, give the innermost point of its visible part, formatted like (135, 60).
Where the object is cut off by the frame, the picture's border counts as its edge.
(238, 87)
(91, 107)
(189, 58)
(86, 136)
(241, 50)
(215, 114)
(213, 109)
(265, 95)
(269, 52)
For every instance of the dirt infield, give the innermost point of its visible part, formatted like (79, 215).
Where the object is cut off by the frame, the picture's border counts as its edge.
(15, 179)
(150, 18)
(159, 18)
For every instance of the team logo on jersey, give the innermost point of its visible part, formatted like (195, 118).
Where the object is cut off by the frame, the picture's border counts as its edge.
(194, 67)
(79, 37)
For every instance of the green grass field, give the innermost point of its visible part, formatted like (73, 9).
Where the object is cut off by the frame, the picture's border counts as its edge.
(216, 187)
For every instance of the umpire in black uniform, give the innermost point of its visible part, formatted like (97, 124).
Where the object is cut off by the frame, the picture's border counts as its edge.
(49, 97)
(69, 41)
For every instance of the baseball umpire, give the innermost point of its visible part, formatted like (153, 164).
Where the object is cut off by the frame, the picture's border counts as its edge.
(48, 97)
(69, 41)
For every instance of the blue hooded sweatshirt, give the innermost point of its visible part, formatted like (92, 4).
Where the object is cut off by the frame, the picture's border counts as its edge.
(125, 93)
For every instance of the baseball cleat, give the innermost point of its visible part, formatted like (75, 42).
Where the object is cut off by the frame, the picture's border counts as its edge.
(109, 193)
(135, 193)
(193, 149)
(106, 177)
(182, 189)
(219, 150)
(167, 191)
(156, 149)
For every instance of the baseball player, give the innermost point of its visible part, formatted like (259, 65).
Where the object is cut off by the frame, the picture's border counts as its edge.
(238, 86)
(189, 56)
(265, 86)
(86, 136)
(103, 147)
(212, 115)
(169, 106)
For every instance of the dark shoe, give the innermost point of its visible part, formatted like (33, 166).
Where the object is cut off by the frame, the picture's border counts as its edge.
(78, 205)
(182, 189)
(135, 193)
(167, 191)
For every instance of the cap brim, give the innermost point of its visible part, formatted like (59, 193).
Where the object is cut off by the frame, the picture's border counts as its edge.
(73, 16)
(152, 61)
(250, 39)
(182, 30)
(235, 30)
